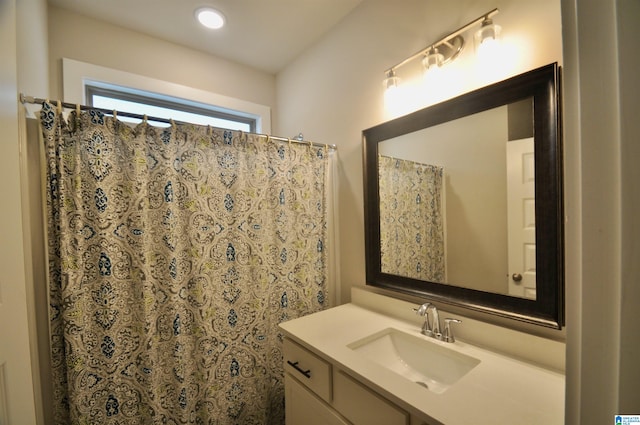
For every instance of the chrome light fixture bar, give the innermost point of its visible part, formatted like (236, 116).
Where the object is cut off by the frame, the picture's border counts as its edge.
(441, 51)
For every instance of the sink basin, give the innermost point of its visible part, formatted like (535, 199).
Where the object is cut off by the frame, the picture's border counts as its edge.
(426, 363)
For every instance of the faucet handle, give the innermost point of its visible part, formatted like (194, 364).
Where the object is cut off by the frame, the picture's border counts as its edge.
(448, 334)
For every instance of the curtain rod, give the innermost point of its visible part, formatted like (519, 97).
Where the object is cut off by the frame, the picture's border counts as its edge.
(36, 100)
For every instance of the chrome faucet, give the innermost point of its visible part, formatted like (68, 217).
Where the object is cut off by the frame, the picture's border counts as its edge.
(431, 328)
(435, 321)
(422, 311)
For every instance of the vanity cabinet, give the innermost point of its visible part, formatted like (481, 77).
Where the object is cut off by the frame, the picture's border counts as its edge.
(330, 380)
(320, 393)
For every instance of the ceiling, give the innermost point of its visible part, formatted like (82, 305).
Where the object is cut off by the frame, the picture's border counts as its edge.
(263, 34)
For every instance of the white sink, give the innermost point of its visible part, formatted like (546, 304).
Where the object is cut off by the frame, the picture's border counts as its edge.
(426, 363)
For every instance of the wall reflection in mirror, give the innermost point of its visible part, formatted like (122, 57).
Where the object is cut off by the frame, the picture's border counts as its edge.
(457, 202)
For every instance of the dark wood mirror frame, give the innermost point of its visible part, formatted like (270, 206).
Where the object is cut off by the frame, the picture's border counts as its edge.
(547, 309)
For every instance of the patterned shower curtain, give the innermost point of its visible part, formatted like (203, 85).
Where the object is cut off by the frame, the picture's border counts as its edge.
(411, 219)
(173, 255)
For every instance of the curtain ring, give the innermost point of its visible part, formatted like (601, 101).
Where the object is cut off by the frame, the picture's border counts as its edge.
(145, 118)
(115, 114)
(172, 122)
(58, 107)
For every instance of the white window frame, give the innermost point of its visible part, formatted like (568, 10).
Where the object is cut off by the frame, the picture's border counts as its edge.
(76, 75)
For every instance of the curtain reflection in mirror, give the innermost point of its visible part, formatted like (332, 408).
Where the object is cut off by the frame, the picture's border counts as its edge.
(412, 219)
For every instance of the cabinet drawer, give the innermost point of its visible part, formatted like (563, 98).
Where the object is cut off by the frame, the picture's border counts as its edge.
(307, 368)
(360, 405)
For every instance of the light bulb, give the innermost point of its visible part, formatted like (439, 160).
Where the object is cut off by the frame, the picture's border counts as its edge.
(393, 95)
(390, 84)
(391, 80)
(433, 59)
(487, 38)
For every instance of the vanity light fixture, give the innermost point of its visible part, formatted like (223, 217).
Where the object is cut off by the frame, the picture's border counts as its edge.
(210, 17)
(446, 49)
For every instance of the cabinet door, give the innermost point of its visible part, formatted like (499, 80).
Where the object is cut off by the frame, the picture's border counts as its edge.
(362, 406)
(303, 408)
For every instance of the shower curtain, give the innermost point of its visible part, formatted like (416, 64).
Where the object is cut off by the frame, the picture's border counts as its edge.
(173, 255)
(412, 219)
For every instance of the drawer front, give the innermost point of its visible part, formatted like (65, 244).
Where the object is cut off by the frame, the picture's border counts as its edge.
(308, 369)
(360, 405)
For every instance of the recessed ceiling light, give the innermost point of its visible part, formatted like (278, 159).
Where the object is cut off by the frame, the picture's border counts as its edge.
(210, 18)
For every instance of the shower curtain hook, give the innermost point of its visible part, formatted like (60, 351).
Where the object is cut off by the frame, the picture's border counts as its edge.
(115, 114)
(78, 119)
(145, 118)
(58, 107)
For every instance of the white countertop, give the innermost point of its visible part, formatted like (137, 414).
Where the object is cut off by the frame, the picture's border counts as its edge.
(500, 390)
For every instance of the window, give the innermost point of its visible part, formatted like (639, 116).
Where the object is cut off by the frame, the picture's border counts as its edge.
(152, 105)
(88, 84)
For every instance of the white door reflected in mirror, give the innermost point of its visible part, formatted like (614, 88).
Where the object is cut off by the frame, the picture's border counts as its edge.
(521, 216)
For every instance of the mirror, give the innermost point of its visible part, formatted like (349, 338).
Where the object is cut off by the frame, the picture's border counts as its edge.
(463, 201)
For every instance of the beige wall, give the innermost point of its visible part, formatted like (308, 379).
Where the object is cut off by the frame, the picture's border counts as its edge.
(334, 90)
(15, 372)
(23, 58)
(87, 40)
